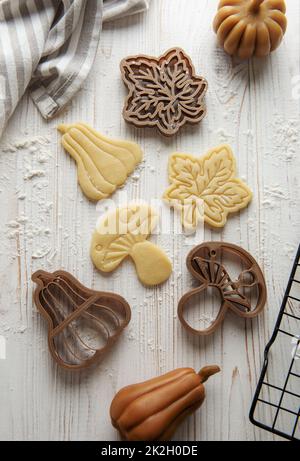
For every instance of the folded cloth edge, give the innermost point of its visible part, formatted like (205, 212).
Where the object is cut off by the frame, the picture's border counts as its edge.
(50, 105)
(112, 10)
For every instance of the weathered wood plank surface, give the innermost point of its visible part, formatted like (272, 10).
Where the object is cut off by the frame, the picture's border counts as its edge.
(46, 222)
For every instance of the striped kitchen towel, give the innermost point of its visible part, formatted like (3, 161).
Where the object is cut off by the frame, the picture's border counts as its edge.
(49, 46)
(114, 9)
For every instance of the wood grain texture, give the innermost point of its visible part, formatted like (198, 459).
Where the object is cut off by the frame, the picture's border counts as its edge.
(43, 212)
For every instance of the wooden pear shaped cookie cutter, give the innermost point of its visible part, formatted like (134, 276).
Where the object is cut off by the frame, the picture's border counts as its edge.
(204, 263)
(68, 306)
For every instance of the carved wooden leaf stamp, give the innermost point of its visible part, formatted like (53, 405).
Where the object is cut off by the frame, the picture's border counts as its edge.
(164, 92)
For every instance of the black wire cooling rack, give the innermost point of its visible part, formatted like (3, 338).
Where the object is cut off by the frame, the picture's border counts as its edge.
(276, 404)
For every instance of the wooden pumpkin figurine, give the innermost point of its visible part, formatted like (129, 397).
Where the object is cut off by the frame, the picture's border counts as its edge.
(154, 409)
(247, 28)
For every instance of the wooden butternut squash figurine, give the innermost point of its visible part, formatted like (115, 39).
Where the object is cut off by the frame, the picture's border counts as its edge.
(154, 409)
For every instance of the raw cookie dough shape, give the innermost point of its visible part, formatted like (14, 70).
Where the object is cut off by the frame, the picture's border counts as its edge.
(205, 264)
(206, 188)
(103, 164)
(83, 324)
(124, 232)
(163, 92)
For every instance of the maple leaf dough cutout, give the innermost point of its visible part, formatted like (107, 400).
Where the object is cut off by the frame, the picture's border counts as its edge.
(206, 188)
(123, 233)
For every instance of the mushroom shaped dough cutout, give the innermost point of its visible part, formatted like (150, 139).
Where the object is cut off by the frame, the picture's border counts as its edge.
(123, 233)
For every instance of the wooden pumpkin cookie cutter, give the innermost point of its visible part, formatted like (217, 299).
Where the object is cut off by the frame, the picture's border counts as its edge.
(67, 305)
(204, 263)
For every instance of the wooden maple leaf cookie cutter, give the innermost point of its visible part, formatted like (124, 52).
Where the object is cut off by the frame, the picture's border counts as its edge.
(67, 305)
(164, 92)
(204, 263)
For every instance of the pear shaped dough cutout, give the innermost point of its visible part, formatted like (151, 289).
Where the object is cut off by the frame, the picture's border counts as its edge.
(206, 188)
(103, 164)
(124, 232)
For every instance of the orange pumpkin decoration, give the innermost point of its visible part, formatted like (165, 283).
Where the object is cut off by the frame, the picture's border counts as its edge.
(154, 409)
(247, 28)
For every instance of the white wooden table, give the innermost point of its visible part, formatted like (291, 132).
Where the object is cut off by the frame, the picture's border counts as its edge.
(46, 222)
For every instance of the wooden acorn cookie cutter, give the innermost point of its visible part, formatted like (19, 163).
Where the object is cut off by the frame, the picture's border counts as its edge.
(77, 317)
(204, 263)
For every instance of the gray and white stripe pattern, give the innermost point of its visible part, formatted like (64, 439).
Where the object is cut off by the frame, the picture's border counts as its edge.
(114, 9)
(49, 46)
